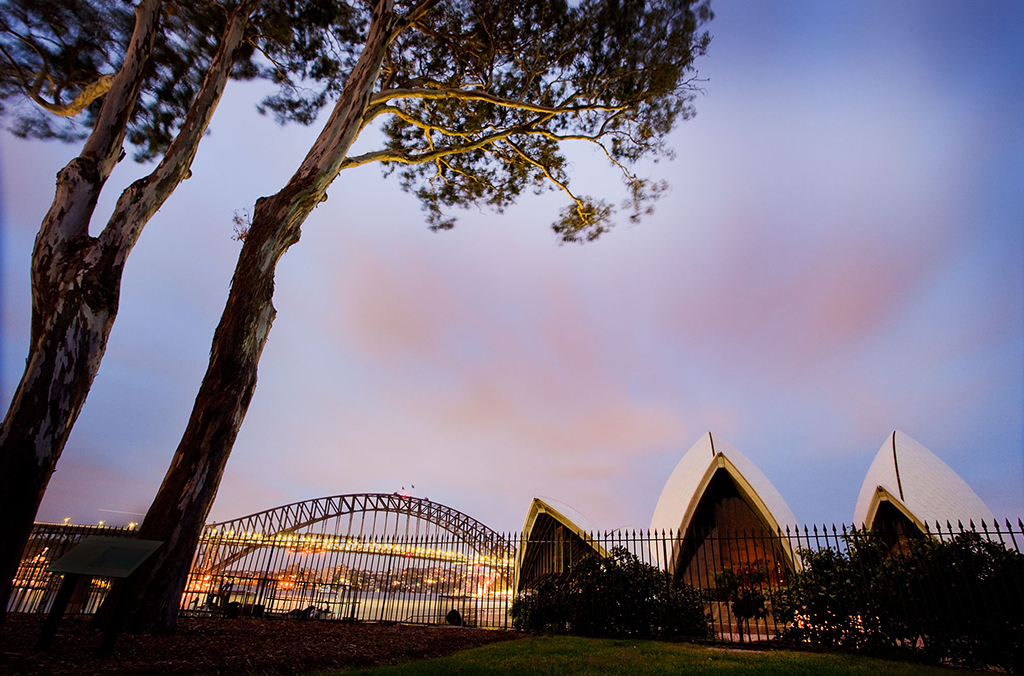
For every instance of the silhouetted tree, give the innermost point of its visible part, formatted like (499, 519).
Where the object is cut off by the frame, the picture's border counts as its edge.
(156, 80)
(475, 98)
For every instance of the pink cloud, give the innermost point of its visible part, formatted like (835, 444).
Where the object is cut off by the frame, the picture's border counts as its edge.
(784, 310)
(393, 306)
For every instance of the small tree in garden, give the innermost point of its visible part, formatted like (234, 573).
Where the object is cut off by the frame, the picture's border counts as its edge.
(743, 589)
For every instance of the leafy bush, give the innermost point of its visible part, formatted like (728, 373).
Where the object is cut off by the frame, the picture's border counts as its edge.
(618, 596)
(958, 601)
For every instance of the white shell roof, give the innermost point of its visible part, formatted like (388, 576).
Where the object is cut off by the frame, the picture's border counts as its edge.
(680, 496)
(926, 486)
(565, 514)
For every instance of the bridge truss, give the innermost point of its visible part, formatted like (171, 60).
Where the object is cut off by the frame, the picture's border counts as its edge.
(294, 526)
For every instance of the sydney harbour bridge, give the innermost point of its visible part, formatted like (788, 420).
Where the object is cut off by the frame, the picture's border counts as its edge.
(364, 556)
(382, 557)
(378, 557)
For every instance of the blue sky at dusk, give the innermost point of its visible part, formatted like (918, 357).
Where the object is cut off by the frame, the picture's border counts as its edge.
(841, 254)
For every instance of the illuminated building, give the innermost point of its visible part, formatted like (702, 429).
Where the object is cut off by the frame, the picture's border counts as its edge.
(719, 511)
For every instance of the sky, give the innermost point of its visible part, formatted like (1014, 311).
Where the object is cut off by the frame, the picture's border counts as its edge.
(841, 254)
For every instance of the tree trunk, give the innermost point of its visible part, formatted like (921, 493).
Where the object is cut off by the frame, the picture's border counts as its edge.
(76, 280)
(73, 307)
(180, 508)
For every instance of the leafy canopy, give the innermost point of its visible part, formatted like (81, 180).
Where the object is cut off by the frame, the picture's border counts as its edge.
(475, 100)
(480, 97)
(57, 55)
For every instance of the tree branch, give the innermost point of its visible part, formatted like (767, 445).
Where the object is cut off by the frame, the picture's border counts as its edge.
(86, 96)
(426, 126)
(137, 204)
(547, 172)
(407, 158)
(413, 17)
(479, 95)
(94, 90)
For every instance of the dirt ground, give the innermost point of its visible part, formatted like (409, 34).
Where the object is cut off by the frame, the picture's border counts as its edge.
(223, 646)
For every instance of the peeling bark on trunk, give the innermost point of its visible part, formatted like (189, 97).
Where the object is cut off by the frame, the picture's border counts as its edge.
(179, 511)
(76, 280)
(73, 306)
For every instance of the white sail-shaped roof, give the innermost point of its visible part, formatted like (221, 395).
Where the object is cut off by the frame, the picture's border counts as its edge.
(570, 519)
(689, 480)
(566, 514)
(913, 479)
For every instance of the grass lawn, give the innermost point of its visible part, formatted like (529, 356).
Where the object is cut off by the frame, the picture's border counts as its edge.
(561, 655)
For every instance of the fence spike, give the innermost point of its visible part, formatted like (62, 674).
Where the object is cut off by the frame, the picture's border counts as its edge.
(1013, 538)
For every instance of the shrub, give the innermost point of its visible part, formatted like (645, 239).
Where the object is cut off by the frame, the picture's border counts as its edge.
(958, 601)
(617, 596)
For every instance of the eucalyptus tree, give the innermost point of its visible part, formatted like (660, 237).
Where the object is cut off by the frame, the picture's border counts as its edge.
(476, 100)
(96, 69)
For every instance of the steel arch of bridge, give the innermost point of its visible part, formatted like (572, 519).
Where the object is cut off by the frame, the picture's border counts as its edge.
(288, 519)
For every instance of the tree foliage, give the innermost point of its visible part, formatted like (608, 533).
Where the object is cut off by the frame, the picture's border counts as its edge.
(58, 57)
(480, 99)
(477, 98)
(61, 56)
(618, 596)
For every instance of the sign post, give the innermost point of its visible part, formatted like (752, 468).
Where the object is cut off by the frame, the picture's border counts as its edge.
(94, 556)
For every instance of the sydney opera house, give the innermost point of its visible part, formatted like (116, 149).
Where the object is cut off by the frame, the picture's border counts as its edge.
(718, 510)
(908, 489)
(395, 557)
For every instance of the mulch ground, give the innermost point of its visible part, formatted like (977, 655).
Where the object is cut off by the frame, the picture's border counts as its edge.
(223, 646)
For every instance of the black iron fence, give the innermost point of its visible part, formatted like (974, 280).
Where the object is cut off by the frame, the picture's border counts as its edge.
(828, 585)
(383, 578)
